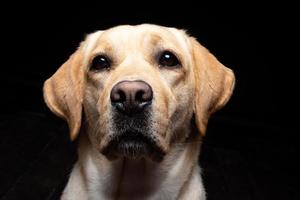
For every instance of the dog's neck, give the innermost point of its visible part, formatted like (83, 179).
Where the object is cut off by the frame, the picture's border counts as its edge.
(135, 179)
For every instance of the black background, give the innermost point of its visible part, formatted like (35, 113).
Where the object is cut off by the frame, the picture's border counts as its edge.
(259, 42)
(255, 41)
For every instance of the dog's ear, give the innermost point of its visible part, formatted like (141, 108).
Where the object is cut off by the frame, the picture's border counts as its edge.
(214, 84)
(63, 92)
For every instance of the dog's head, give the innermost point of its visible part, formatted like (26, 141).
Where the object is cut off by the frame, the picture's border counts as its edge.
(138, 88)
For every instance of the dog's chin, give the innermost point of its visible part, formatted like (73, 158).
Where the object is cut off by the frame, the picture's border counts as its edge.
(133, 145)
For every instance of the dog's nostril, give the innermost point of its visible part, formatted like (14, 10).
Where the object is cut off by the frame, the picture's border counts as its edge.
(118, 96)
(143, 95)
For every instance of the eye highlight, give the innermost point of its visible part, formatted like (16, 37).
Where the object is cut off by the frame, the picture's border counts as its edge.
(168, 59)
(100, 62)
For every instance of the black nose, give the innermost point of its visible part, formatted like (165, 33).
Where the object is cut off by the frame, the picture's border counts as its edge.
(131, 97)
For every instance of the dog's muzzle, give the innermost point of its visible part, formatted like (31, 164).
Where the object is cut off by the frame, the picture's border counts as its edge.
(132, 136)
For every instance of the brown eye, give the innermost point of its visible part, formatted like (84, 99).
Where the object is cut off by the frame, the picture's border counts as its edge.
(100, 62)
(168, 59)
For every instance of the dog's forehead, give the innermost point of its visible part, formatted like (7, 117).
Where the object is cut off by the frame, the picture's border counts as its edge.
(140, 32)
(146, 35)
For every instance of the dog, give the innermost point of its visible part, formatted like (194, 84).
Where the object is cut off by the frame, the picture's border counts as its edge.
(138, 99)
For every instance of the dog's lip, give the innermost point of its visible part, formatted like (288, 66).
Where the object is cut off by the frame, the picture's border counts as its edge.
(133, 144)
(134, 137)
(130, 137)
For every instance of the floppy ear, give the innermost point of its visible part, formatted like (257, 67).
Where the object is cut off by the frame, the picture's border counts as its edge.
(214, 84)
(63, 92)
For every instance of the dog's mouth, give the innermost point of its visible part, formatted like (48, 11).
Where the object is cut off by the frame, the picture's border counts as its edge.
(133, 145)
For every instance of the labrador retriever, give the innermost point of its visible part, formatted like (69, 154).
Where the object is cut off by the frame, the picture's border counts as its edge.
(138, 98)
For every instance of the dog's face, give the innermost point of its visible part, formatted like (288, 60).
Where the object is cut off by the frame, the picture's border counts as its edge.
(138, 87)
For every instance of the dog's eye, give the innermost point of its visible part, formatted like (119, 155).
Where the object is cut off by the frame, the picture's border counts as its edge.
(168, 59)
(100, 62)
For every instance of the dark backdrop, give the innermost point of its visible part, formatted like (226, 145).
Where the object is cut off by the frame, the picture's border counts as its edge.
(254, 40)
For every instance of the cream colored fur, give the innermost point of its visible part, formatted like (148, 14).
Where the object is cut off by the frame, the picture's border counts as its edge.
(198, 88)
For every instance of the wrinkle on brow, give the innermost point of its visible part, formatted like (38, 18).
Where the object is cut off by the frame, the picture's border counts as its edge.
(152, 40)
(112, 49)
(104, 47)
(90, 43)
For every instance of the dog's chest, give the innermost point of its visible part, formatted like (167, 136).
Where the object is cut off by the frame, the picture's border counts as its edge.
(138, 180)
